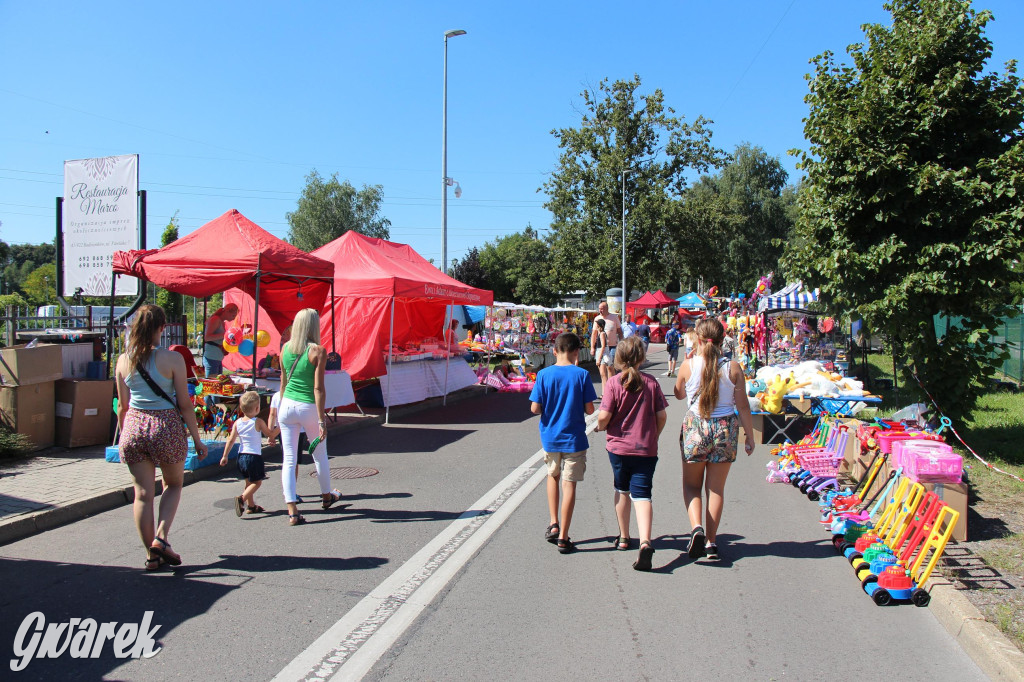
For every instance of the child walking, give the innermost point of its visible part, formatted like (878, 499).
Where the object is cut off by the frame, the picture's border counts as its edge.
(246, 430)
(633, 414)
(563, 396)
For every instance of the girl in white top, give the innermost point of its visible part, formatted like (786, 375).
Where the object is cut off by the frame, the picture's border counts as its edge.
(714, 389)
(247, 430)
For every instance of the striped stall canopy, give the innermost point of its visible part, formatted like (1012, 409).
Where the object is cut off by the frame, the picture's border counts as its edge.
(791, 297)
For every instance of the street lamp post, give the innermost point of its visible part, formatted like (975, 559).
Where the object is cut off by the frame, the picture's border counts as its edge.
(625, 294)
(444, 153)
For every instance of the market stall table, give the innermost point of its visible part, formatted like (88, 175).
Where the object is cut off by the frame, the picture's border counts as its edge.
(411, 382)
(815, 405)
(337, 383)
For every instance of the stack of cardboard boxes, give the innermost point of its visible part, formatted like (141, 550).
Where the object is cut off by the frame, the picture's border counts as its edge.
(40, 399)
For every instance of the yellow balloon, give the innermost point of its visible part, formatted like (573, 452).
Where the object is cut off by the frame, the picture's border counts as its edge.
(262, 338)
(229, 348)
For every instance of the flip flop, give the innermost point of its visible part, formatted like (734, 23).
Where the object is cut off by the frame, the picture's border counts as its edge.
(643, 561)
(239, 506)
(162, 549)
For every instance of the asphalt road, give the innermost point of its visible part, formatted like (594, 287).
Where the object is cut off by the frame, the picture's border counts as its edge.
(436, 568)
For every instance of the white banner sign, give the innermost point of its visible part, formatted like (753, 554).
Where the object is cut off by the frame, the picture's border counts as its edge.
(100, 217)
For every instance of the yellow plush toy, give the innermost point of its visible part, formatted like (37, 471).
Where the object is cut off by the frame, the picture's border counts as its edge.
(779, 387)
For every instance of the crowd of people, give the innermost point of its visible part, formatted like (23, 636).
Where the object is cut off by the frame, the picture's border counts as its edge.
(156, 417)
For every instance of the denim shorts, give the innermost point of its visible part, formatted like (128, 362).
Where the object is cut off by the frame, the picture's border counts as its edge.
(633, 474)
(251, 467)
(673, 353)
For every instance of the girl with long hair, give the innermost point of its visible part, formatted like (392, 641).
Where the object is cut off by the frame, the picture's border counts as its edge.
(303, 394)
(633, 414)
(154, 418)
(714, 389)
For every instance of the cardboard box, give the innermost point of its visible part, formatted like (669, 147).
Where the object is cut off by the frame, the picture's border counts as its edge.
(23, 366)
(955, 495)
(82, 409)
(29, 410)
(75, 359)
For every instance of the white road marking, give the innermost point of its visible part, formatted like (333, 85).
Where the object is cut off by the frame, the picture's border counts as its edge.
(350, 647)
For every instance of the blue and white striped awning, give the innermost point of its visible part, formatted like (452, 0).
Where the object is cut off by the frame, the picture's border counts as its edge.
(791, 297)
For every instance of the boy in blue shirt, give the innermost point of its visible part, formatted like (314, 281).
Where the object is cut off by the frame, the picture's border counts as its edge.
(563, 396)
(672, 338)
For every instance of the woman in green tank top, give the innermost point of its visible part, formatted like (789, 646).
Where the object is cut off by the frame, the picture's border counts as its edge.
(302, 408)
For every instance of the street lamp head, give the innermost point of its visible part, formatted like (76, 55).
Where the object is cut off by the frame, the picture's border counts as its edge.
(454, 32)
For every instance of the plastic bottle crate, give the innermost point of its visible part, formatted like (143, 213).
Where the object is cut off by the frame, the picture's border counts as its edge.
(929, 465)
(897, 458)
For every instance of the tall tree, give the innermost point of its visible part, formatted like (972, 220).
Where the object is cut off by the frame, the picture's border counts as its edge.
(169, 301)
(469, 270)
(518, 268)
(622, 131)
(912, 201)
(328, 209)
(21, 260)
(41, 285)
(733, 225)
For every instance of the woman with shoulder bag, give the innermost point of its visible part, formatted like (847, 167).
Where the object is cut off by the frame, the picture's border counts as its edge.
(154, 417)
(303, 395)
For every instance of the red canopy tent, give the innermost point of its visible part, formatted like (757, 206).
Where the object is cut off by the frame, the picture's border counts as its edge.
(386, 294)
(658, 299)
(232, 251)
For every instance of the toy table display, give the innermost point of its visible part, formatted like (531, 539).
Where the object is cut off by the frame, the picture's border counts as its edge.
(841, 406)
(337, 383)
(411, 382)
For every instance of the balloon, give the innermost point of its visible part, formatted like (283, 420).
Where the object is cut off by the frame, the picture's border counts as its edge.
(247, 347)
(229, 347)
(233, 336)
(262, 338)
(713, 292)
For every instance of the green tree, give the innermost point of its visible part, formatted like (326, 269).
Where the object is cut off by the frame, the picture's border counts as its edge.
(170, 301)
(41, 285)
(622, 130)
(469, 270)
(327, 210)
(732, 226)
(912, 204)
(518, 268)
(22, 259)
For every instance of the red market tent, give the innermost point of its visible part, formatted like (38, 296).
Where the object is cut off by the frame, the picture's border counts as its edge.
(385, 293)
(658, 299)
(233, 252)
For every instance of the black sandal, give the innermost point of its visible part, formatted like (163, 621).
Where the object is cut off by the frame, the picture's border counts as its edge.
(296, 519)
(239, 506)
(622, 543)
(162, 549)
(153, 563)
(643, 562)
(565, 546)
(256, 509)
(335, 495)
(551, 534)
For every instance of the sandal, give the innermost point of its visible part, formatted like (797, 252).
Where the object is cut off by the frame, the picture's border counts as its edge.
(239, 506)
(565, 546)
(153, 563)
(551, 534)
(622, 543)
(163, 550)
(335, 495)
(296, 519)
(255, 509)
(643, 562)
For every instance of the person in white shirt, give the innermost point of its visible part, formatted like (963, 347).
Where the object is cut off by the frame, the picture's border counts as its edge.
(613, 328)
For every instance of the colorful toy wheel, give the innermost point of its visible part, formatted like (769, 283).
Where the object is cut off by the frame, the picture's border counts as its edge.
(920, 597)
(813, 495)
(868, 579)
(837, 541)
(882, 597)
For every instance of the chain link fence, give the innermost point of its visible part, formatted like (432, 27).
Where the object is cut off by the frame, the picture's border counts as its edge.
(1010, 331)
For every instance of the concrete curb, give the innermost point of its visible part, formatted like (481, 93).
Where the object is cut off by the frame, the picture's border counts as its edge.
(982, 641)
(26, 525)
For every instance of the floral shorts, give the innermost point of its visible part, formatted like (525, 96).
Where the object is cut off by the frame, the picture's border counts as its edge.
(709, 440)
(158, 436)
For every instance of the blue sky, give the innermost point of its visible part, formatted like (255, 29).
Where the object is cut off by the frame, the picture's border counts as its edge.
(230, 105)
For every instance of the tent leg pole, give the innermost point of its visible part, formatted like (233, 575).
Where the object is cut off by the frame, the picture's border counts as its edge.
(255, 326)
(334, 334)
(110, 322)
(448, 357)
(391, 351)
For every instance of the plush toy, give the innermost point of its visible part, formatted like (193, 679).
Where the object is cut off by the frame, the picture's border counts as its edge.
(779, 387)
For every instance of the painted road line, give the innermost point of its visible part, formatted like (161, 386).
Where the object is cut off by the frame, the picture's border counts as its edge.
(354, 644)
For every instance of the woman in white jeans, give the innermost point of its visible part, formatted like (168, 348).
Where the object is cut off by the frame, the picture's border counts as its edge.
(302, 409)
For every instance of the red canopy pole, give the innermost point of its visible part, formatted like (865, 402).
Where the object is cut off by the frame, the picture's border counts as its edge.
(334, 334)
(256, 319)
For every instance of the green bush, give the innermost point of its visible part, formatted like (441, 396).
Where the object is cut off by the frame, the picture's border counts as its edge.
(12, 444)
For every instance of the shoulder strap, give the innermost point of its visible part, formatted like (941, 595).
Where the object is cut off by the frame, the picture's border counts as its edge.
(153, 385)
(295, 364)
